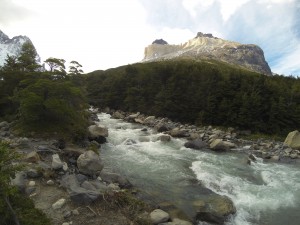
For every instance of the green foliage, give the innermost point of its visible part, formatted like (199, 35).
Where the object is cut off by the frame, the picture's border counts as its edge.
(22, 207)
(56, 65)
(44, 102)
(51, 105)
(75, 68)
(202, 92)
(27, 59)
(25, 210)
(7, 168)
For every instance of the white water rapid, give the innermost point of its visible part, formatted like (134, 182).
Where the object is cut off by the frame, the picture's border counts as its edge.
(263, 193)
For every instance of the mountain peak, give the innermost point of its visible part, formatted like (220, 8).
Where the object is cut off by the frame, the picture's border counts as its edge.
(207, 47)
(11, 46)
(160, 42)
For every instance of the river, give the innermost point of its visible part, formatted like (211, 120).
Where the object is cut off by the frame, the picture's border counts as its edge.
(263, 193)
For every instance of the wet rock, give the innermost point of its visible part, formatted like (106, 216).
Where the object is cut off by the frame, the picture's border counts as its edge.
(293, 140)
(162, 127)
(164, 138)
(97, 133)
(89, 163)
(129, 141)
(132, 117)
(195, 144)
(220, 145)
(176, 132)
(159, 216)
(118, 115)
(215, 209)
(144, 139)
(150, 120)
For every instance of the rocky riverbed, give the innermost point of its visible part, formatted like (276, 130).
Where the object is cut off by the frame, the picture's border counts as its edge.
(219, 140)
(72, 186)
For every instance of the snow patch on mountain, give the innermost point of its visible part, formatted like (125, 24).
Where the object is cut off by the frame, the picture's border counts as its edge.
(11, 47)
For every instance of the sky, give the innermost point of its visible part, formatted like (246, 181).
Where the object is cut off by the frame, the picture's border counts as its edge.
(102, 34)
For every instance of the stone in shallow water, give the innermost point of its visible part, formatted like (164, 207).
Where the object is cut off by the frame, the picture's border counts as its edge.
(215, 209)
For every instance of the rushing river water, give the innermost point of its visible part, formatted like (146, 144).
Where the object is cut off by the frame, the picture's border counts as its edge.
(263, 193)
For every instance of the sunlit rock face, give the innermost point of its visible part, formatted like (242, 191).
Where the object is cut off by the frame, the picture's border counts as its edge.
(206, 46)
(11, 47)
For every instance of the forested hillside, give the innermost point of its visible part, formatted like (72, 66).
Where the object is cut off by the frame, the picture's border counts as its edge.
(205, 93)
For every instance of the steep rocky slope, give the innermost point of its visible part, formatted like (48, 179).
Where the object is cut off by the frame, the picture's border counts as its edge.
(11, 46)
(205, 46)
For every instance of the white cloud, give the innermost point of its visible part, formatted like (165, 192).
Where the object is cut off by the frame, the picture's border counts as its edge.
(109, 33)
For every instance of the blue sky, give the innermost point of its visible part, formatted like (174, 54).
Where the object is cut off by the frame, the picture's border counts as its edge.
(108, 33)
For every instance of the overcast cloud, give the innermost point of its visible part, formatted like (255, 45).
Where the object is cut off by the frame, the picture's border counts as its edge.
(110, 33)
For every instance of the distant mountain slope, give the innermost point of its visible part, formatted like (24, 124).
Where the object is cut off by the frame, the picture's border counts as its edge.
(11, 46)
(205, 46)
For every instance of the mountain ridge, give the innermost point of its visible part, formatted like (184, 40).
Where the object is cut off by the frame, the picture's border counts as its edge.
(206, 46)
(11, 46)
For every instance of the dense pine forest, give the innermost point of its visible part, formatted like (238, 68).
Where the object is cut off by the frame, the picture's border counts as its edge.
(205, 93)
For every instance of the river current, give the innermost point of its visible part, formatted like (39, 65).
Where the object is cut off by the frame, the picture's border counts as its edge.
(263, 193)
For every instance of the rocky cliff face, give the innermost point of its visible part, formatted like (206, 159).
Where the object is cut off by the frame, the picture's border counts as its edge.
(206, 46)
(11, 46)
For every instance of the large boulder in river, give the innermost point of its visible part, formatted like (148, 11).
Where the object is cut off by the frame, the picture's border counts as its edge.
(195, 144)
(89, 163)
(177, 132)
(215, 209)
(97, 133)
(220, 145)
(293, 140)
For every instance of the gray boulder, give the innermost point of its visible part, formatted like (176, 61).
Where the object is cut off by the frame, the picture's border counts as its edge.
(215, 209)
(159, 216)
(78, 194)
(115, 178)
(162, 127)
(176, 132)
(20, 181)
(150, 120)
(164, 138)
(220, 145)
(118, 115)
(97, 133)
(196, 144)
(293, 140)
(56, 162)
(89, 163)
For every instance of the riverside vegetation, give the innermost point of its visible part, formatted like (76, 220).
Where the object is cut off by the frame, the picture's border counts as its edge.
(53, 105)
